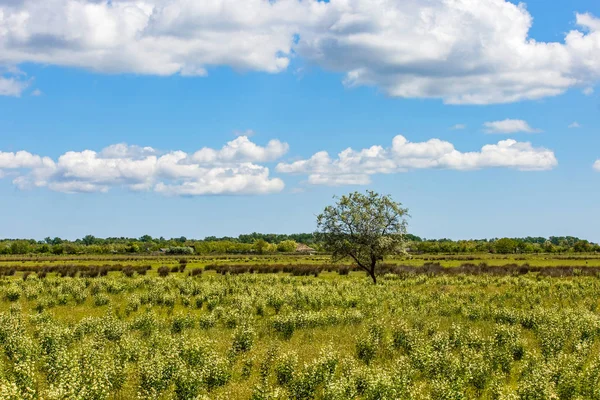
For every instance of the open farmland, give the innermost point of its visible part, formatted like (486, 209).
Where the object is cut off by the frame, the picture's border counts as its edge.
(236, 327)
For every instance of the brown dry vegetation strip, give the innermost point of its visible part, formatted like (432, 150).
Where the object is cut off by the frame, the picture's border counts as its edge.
(92, 271)
(426, 269)
(87, 271)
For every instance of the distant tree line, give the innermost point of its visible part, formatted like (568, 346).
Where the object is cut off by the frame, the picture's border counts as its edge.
(255, 243)
(259, 243)
(527, 245)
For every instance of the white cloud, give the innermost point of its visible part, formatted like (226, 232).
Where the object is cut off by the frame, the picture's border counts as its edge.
(245, 178)
(242, 149)
(460, 51)
(597, 165)
(123, 150)
(353, 167)
(22, 159)
(588, 91)
(159, 37)
(509, 126)
(37, 92)
(11, 86)
(458, 127)
(230, 170)
(574, 125)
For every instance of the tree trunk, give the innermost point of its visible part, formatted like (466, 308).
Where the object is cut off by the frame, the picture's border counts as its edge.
(369, 269)
(372, 274)
(374, 278)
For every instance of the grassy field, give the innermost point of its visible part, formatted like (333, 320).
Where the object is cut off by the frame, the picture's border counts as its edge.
(448, 260)
(199, 334)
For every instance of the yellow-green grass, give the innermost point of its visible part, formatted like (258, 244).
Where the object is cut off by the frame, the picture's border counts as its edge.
(455, 323)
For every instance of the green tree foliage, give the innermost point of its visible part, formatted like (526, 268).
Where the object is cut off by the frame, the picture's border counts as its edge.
(363, 227)
(20, 247)
(260, 246)
(244, 244)
(146, 239)
(506, 246)
(307, 238)
(582, 246)
(43, 248)
(180, 250)
(89, 240)
(133, 248)
(287, 246)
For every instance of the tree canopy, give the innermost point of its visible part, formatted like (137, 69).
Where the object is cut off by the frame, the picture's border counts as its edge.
(363, 227)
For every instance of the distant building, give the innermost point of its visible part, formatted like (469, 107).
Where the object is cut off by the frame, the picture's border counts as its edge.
(302, 248)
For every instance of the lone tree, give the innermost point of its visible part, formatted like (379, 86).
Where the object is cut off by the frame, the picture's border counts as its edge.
(363, 227)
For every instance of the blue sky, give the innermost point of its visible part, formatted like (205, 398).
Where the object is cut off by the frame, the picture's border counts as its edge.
(282, 82)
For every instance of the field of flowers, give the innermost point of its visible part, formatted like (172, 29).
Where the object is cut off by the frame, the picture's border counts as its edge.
(131, 333)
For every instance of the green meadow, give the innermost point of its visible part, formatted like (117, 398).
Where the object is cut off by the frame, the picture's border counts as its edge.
(298, 327)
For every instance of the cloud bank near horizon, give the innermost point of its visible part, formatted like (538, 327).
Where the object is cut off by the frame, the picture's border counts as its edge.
(352, 167)
(233, 169)
(240, 166)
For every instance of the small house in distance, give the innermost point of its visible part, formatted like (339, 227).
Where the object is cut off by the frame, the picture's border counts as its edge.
(304, 249)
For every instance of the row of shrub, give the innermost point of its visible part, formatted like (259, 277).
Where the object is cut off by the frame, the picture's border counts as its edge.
(430, 268)
(72, 270)
(483, 268)
(294, 269)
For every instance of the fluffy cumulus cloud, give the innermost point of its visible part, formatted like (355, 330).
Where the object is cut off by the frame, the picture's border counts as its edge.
(160, 37)
(242, 149)
(597, 165)
(461, 51)
(357, 167)
(232, 169)
(509, 126)
(22, 159)
(12, 86)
